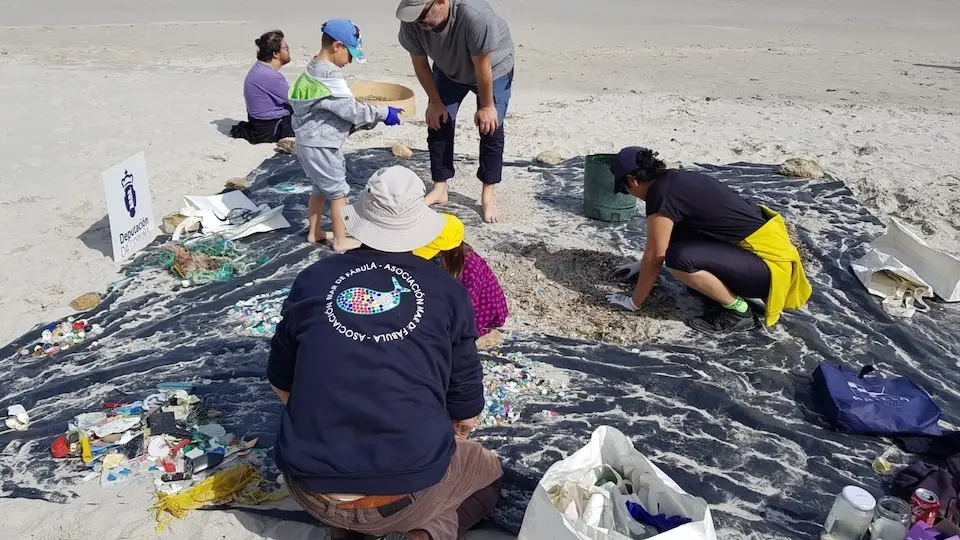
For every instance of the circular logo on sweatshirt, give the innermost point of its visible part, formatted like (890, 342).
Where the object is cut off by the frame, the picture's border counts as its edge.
(371, 294)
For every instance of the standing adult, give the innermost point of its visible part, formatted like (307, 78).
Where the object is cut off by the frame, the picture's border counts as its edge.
(472, 51)
(376, 361)
(266, 93)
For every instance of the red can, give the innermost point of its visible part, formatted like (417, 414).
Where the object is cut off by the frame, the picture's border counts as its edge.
(924, 506)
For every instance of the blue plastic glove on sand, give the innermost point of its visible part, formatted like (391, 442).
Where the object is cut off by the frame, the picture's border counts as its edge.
(393, 116)
(660, 522)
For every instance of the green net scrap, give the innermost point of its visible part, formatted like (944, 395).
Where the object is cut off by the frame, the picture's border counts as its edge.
(209, 259)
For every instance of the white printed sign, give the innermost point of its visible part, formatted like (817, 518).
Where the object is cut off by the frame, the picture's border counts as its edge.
(127, 188)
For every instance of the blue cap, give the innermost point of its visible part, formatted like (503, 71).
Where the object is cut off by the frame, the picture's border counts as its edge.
(624, 163)
(344, 31)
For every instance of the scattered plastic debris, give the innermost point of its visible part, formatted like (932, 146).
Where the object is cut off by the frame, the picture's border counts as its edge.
(169, 435)
(17, 418)
(508, 386)
(888, 461)
(260, 314)
(61, 336)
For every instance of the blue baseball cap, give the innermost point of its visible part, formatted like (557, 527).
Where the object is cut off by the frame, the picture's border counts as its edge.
(624, 163)
(344, 31)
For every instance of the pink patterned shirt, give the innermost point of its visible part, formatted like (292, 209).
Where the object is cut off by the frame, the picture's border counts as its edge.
(489, 302)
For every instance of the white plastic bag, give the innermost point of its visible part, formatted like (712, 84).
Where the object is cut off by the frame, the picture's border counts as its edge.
(901, 289)
(568, 505)
(211, 212)
(902, 268)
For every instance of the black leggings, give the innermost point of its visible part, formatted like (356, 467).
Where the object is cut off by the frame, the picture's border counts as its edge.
(741, 271)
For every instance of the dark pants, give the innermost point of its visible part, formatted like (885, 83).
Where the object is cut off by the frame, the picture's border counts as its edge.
(257, 131)
(440, 141)
(741, 271)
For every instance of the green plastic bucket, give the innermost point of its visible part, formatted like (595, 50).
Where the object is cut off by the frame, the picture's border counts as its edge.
(599, 200)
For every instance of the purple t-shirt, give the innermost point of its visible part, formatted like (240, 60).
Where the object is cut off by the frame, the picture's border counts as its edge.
(489, 302)
(266, 93)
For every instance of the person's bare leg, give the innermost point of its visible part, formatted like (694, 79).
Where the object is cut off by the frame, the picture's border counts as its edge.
(438, 195)
(341, 242)
(707, 284)
(491, 213)
(314, 213)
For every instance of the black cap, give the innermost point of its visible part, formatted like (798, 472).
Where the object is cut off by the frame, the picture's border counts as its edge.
(624, 163)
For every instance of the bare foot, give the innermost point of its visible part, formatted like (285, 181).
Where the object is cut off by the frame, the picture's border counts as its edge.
(438, 195)
(327, 237)
(341, 246)
(491, 214)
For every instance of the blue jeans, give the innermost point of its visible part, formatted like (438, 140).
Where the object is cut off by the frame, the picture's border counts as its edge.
(440, 141)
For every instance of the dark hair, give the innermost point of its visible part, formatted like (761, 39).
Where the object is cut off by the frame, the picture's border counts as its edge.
(648, 166)
(453, 260)
(327, 41)
(268, 45)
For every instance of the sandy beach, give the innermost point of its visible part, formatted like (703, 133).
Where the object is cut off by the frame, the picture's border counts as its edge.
(871, 90)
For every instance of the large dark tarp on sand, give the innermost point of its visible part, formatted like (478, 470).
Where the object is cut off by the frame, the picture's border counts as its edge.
(731, 419)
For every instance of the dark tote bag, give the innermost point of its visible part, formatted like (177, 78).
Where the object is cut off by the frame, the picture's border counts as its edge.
(875, 405)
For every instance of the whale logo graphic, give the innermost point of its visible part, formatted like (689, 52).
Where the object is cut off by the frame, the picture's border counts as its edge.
(364, 301)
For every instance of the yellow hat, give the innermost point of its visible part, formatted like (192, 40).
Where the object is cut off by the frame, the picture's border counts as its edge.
(450, 237)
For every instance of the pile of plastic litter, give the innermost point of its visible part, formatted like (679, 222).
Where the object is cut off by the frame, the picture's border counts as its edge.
(61, 336)
(509, 386)
(170, 437)
(259, 315)
(208, 259)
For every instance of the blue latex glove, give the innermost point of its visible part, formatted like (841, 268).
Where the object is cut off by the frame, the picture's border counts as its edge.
(393, 116)
(660, 522)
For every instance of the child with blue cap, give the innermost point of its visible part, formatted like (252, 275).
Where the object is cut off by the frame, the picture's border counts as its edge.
(325, 113)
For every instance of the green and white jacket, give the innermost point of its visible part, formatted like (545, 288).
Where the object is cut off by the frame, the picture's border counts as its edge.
(325, 112)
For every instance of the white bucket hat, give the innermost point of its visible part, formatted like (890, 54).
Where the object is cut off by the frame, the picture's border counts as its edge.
(390, 215)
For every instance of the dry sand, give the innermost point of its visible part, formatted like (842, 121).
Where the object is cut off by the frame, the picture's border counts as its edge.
(868, 88)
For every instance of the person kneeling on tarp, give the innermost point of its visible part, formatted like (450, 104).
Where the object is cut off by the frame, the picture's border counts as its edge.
(376, 360)
(712, 240)
(265, 92)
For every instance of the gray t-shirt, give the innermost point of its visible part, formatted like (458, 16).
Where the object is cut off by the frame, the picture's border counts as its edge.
(474, 29)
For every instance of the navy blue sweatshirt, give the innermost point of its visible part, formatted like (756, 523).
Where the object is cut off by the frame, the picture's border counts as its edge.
(378, 351)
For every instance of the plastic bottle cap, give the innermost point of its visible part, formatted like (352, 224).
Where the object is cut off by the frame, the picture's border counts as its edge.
(859, 498)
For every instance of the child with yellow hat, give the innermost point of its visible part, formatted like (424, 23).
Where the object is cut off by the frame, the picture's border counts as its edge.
(460, 260)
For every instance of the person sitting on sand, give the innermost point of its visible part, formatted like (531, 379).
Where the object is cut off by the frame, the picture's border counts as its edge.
(460, 260)
(376, 361)
(713, 240)
(472, 51)
(325, 113)
(265, 92)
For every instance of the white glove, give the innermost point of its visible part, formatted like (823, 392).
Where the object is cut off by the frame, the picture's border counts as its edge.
(623, 300)
(626, 271)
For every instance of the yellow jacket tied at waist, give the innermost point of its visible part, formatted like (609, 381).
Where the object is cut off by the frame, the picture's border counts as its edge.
(789, 288)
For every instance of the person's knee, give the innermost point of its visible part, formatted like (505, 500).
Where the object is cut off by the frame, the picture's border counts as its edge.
(493, 141)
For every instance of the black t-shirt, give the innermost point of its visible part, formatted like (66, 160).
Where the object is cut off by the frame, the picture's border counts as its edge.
(701, 205)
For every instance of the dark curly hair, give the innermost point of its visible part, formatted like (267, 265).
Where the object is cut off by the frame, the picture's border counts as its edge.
(268, 45)
(648, 166)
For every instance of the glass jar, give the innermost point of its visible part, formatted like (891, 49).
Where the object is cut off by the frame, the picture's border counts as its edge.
(890, 520)
(851, 514)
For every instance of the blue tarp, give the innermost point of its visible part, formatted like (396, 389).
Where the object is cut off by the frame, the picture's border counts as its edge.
(730, 418)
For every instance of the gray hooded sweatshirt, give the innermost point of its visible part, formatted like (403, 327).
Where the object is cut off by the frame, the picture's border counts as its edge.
(325, 112)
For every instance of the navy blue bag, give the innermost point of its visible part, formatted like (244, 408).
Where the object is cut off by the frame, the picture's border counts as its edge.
(855, 403)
